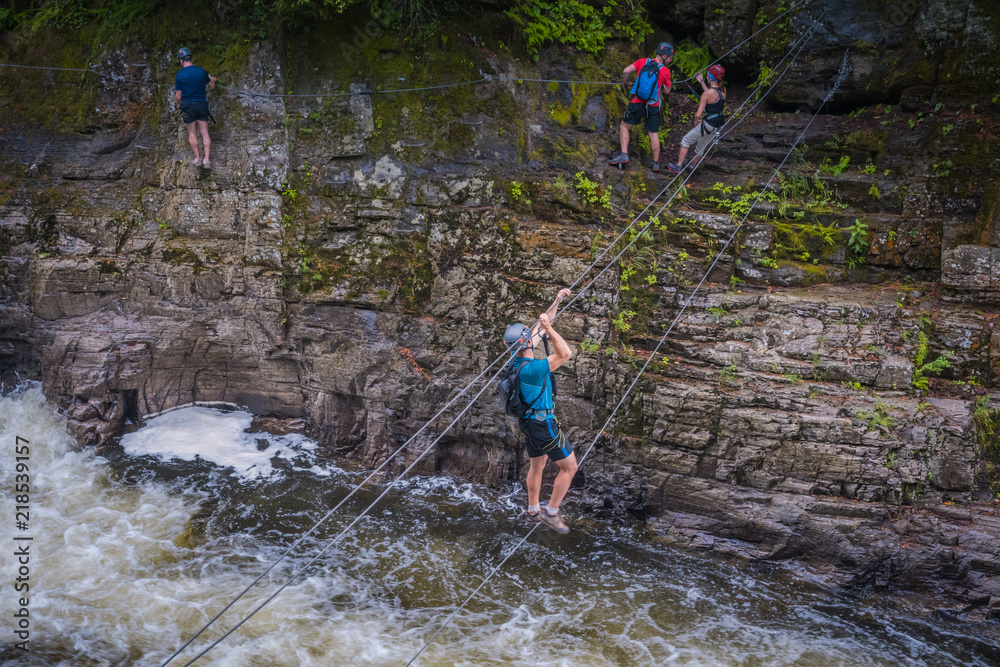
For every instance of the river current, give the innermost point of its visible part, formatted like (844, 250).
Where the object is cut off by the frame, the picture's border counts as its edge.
(134, 550)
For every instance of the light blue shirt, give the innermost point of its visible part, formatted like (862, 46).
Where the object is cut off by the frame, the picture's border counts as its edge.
(536, 385)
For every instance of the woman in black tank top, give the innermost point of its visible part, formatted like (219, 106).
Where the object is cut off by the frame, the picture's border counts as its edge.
(709, 117)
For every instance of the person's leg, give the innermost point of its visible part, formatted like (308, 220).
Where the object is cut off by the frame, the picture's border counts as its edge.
(683, 154)
(690, 139)
(567, 468)
(193, 139)
(534, 481)
(653, 130)
(701, 147)
(206, 141)
(623, 134)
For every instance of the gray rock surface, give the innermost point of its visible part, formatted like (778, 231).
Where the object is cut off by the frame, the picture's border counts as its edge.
(357, 275)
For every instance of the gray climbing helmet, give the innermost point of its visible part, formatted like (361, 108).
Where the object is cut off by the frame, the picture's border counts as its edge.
(517, 333)
(665, 49)
(183, 53)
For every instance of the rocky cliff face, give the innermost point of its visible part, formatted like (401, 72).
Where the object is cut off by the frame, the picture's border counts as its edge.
(354, 260)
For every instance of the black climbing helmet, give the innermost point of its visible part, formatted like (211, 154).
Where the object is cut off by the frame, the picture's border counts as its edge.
(183, 53)
(517, 335)
(665, 49)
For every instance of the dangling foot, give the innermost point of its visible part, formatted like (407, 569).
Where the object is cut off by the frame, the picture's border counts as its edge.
(553, 521)
(206, 164)
(655, 166)
(619, 160)
(532, 518)
(197, 162)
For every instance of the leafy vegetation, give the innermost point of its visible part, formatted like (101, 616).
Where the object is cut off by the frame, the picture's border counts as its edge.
(588, 190)
(826, 167)
(880, 417)
(763, 79)
(922, 368)
(727, 376)
(578, 24)
(110, 16)
(691, 58)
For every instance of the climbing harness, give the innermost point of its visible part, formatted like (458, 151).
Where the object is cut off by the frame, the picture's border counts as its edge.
(799, 45)
(451, 402)
(844, 70)
(430, 447)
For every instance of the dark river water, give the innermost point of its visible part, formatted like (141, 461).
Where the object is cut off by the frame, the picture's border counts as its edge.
(133, 551)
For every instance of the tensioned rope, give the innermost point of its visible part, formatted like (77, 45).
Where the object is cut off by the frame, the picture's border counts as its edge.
(797, 47)
(775, 20)
(485, 77)
(337, 538)
(716, 61)
(843, 73)
(392, 456)
(344, 531)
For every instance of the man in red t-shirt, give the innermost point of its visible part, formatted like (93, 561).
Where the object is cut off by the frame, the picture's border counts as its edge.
(649, 109)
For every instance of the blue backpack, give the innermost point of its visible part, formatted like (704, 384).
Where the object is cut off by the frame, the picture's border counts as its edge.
(647, 83)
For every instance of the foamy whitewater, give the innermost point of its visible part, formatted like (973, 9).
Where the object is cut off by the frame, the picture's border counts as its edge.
(135, 550)
(222, 437)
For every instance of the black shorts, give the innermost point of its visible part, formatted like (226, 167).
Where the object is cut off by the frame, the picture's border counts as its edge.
(637, 111)
(544, 438)
(197, 110)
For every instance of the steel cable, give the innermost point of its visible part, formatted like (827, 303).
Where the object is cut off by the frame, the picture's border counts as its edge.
(483, 79)
(391, 457)
(843, 73)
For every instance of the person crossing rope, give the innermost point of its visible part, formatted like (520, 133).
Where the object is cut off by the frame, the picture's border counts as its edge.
(708, 118)
(544, 438)
(653, 76)
(190, 85)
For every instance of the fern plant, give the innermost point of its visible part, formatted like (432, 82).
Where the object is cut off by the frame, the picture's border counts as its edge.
(922, 370)
(690, 58)
(763, 79)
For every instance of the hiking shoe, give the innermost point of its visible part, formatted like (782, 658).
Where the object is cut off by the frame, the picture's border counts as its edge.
(206, 164)
(674, 167)
(532, 517)
(197, 162)
(619, 160)
(655, 166)
(556, 522)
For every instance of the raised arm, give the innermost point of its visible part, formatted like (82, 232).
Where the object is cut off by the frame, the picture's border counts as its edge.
(562, 352)
(701, 80)
(536, 333)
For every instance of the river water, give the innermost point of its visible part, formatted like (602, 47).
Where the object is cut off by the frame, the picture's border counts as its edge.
(135, 550)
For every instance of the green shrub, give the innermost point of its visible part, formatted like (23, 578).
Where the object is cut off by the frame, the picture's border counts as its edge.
(922, 370)
(858, 243)
(690, 58)
(565, 21)
(763, 79)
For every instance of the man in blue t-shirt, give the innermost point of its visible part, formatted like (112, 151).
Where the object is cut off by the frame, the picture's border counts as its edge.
(189, 96)
(544, 439)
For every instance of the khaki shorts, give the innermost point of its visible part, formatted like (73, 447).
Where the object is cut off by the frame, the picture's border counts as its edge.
(700, 137)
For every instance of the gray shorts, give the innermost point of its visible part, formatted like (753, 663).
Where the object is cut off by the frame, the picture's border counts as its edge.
(700, 137)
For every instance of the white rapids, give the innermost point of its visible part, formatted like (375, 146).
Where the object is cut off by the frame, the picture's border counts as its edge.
(134, 551)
